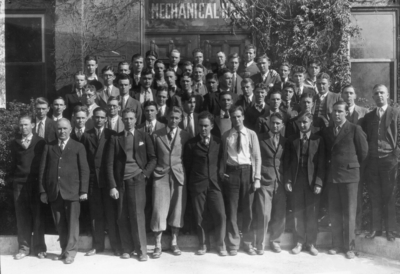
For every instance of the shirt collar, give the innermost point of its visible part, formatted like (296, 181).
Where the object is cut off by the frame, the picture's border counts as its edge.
(341, 125)
(351, 108)
(126, 96)
(99, 129)
(384, 107)
(77, 130)
(28, 138)
(152, 122)
(307, 134)
(249, 64)
(113, 119)
(44, 120)
(131, 131)
(65, 142)
(57, 118)
(171, 130)
(208, 137)
(250, 98)
(265, 75)
(322, 96)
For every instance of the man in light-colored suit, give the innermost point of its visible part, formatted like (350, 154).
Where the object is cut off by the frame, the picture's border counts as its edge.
(169, 185)
(114, 121)
(108, 90)
(125, 84)
(325, 99)
(233, 65)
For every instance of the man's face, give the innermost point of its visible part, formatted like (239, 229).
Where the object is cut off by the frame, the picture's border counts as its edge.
(233, 64)
(298, 78)
(137, 65)
(100, 118)
(113, 108)
(237, 119)
(91, 66)
(80, 119)
(124, 69)
(313, 70)
(129, 120)
(288, 94)
(205, 127)
(190, 105)
(174, 118)
(249, 55)
(263, 65)
(25, 126)
(306, 104)
(247, 89)
(162, 97)
(380, 96)
(221, 58)
(212, 85)
(88, 97)
(284, 72)
(150, 113)
(198, 74)
(275, 125)
(186, 83)
(227, 80)
(170, 78)
(226, 102)
(63, 130)
(175, 58)
(146, 80)
(349, 95)
(159, 70)
(41, 110)
(339, 114)
(80, 81)
(150, 60)
(124, 86)
(304, 124)
(323, 85)
(58, 107)
(259, 95)
(188, 69)
(198, 58)
(275, 101)
(108, 77)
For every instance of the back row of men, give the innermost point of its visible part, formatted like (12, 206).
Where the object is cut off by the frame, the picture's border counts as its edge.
(217, 155)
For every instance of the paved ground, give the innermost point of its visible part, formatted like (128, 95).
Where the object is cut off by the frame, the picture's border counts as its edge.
(210, 263)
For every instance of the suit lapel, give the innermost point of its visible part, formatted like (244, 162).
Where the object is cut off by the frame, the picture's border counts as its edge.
(389, 117)
(177, 138)
(270, 143)
(121, 140)
(296, 144)
(341, 134)
(164, 138)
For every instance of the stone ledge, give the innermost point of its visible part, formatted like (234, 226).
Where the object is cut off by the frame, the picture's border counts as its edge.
(379, 246)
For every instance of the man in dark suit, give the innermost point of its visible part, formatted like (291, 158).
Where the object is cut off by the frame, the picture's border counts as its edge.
(288, 105)
(304, 165)
(190, 121)
(284, 73)
(198, 76)
(80, 115)
(174, 59)
(258, 109)
(72, 93)
(381, 127)
(161, 100)
(26, 152)
(221, 59)
(270, 198)
(211, 99)
(114, 121)
(325, 99)
(57, 108)
(91, 66)
(247, 99)
(125, 84)
(222, 122)
(63, 182)
(313, 70)
(131, 160)
(187, 92)
(298, 77)
(201, 157)
(346, 149)
(151, 124)
(137, 68)
(44, 126)
(263, 122)
(248, 67)
(108, 75)
(265, 75)
(103, 210)
(233, 66)
(145, 93)
(174, 92)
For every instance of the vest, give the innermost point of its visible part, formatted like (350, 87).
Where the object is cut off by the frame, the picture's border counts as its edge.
(131, 167)
(379, 145)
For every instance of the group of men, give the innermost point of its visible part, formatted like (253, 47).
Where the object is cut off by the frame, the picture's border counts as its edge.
(240, 140)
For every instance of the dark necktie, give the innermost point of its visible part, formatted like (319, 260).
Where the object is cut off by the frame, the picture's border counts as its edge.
(238, 143)
(150, 128)
(170, 136)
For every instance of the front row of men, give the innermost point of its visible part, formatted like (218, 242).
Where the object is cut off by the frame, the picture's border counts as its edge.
(242, 171)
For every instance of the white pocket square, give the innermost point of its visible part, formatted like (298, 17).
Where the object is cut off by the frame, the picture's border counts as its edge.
(141, 143)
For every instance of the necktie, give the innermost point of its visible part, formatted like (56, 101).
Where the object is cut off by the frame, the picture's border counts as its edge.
(337, 129)
(190, 125)
(234, 82)
(79, 135)
(79, 92)
(206, 141)
(259, 107)
(226, 115)
(62, 145)
(276, 140)
(238, 142)
(109, 91)
(123, 102)
(98, 134)
(150, 128)
(145, 96)
(25, 143)
(380, 112)
(170, 136)
(41, 129)
(304, 138)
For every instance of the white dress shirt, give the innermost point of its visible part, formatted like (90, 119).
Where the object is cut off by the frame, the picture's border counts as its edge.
(149, 95)
(243, 157)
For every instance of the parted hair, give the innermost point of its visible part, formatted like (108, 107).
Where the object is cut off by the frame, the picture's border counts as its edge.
(107, 68)
(236, 108)
(81, 109)
(41, 100)
(206, 115)
(298, 69)
(128, 110)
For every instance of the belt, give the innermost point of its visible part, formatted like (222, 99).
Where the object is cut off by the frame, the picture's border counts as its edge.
(231, 168)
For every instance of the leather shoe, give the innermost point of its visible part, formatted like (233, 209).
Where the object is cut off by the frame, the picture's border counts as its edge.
(59, 258)
(333, 251)
(250, 250)
(143, 258)
(20, 256)
(297, 248)
(125, 255)
(260, 251)
(233, 252)
(202, 250)
(350, 255)
(373, 234)
(69, 260)
(157, 253)
(175, 250)
(313, 250)
(222, 253)
(390, 236)
(42, 255)
(275, 247)
(91, 252)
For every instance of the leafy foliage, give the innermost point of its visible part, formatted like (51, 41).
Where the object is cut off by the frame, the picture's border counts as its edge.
(297, 30)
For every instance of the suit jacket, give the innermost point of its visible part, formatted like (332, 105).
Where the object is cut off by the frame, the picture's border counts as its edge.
(251, 115)
(116, 157)
(142, 126)
(345, 153)
(71, 100)
(279, 85)
(184, 123)
(136, 85)
(135, 105)
(237, 85)
(271, 164)
(315, 163)
(247, 72)
(292, 129)
(211, 103)
(269, 81)
(50, 129)
(331, 99)
(202, 164)
(170, 156)
(291, 110)
(262, 125)
(64, 172)
(243, 103)
(102, 97)
(136, 95)
(174, 97)
(25, 162)
(74, 137)
(120, 124)
(96, 156)
(202, 90)
(358, 115)
(306, 89)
